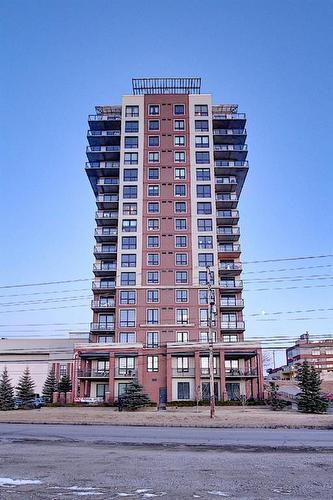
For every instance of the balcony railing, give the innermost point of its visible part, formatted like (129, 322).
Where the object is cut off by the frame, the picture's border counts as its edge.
(102, 327)
(230, 147)
(228, 248)
(226, 197)
(111, 231)
(109, 181)
(225, 302)
(103, 304)
(105, 266)
(228, 116)
(235, 163)
(230, 285)
(103, 285)
(93, 374)
(106, 215)
(103, 133)
(183, 372)
(126, 372)
(228, 230)
(225, 180)
(226, 266)
(103, 164)
(232, 325)
(241, 373)
(107, 198)
(102, 149)
(112, 116)
(227, 214)
(229, 131)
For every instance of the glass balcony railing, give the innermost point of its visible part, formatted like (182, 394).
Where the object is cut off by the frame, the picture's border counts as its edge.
(105, 266)
(227, 214)
(230, 266)
(229, 131)
(226, 197)
(102, 327)
(106, 231)
(103, 285)
(101, 304)
(102, 149)
(225, 180)
(230, 147)
(103, 133)
(103, 164)
(228, 248)
(106, 215)
(230, 285)
(116, 115)
(231, 302)
(228, 231)
(232, 325)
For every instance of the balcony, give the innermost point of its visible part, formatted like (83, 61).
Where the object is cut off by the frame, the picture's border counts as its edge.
(126, 372)
(106, 201)
(102, 327)
(204, 372)
(231, 285)
(225, 184)
(100, 168)
(237, 373)
(231, 250)
(228, 233)
(227, 217)
(231, 152)
(105, 268)
(105, 218)
(103, 137)
(105, 121)
(103, 304)
(105, 251)
(233, 325)
(226, 200)
(93, 374)
(229, 135)
(102, 286)
(230, 268)
(231, 304)
(107, 185)
(181, 373)
(106, 234)
(102, 153)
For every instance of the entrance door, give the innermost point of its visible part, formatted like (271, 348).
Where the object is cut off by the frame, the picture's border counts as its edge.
(233, 391)
(101, 389)
(162, 397)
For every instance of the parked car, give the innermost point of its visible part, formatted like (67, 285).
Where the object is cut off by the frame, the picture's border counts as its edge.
(329, 396)
(35, 403)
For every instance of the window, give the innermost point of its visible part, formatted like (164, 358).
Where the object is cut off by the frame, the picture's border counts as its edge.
(127, 317)
(182, 337)
(128, 297)
(127, 338)
(153, 125)
(180, 173)
(152, 363)
(205, 259)
(205, 225)
(152, 295)
(131, 158)
(183, 390)
(131, 142)
(153, 173)
(126, 366)
(181, 259)
(182, 295)
(182, 364)
(181, 241)
(203, 279)
(230, 338)
(203, 174)
(153, 277)
(181, 277)
(130, 174)
(130, 192)
(153, 207)
(180, 224)
(231, 365)
(154, 190)
(153, 157)
(180, 190)
(204, 337)
(152, 339)
(203, 317)
(154, 109)
(179, 140)
(130, 209)
(153, 242)
(153, 141)
(152, 316)
(204, 362)
(202, 157)
(205, 242)
(203, 297)
(201, 125)
(132, 126)
(202, 141)
(63, 370)
(180, 206)
(204, 208)
(153, 224)
(128, 260)
(129, 225)
(128, 242)
(182, 317)
(179, 156)
(153, 259)
(179, 125)
(179, 109)
(204, 191)
(128, 278)
(131, 111)
(201, 109)
(103, 339)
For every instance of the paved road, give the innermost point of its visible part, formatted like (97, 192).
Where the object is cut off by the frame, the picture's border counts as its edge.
(212, 438)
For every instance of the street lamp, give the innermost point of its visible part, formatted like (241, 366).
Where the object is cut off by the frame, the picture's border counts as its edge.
(211, 317)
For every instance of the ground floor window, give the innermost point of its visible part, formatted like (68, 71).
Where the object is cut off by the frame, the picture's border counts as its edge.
(101, 389)
(122, 389)
(233, 391)
(205, 390)
(183, 390)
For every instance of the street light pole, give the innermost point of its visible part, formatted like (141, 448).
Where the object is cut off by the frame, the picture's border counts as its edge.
(212, 312)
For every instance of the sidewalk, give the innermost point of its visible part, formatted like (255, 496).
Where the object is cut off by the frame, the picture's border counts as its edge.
(226, 417)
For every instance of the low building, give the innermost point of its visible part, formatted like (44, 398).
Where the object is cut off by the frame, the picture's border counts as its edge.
(318, 353)
(40, 355)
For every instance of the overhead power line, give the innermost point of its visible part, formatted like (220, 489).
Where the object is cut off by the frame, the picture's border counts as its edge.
(288, 259)
(45, 283)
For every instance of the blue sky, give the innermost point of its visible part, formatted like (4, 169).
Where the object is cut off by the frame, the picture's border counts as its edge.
(61, 58)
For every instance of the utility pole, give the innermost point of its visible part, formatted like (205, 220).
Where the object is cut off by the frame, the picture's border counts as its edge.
(211, 317)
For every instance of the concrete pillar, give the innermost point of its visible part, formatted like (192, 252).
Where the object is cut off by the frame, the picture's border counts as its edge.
(223, 392)
(112, 367)
(197, 372)
(169, 377)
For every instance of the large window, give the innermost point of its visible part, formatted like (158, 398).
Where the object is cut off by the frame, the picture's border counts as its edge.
(153, 259)
(127, 338)
(179, 156)
(153, 141)
(131, 142)
(181, 241)
(153, 125)
(130, 192)
(183, 390)
(153, 190)
(181, 277)
(203, 317)
(153, 207)
(154, 109)
(181, 259)
(126, 366)
(202, 141)
(180, 207)
(153, 277)
(128, 242)
(128, 260)
(152, 339)
(153, 224)
(131, 111)
(132, 126)
(180, 173)
(182, 364)
(182, 295)
(130, 209)
(179, 125)
(153, 296)
(130, 174)
(201, 125)
(179, 140)
(180, 224)
(204, 337)
(203, 174)
(204, 191)
(152, 363)
(201, 109)
(182, 337)
(128, 279)
(131, 158)
(182, 317)
(179, 109)
(127, 297)
(152, 316)
(204, 208)
(180, 190)
(129, 225)
(202, 157)
(205, 259)
(153, 173)
(205, 225)
(203, 297)
(153, 157)
(153, 242)
(127, 317)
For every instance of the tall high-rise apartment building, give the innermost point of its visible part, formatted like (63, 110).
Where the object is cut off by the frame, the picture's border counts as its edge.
(167, 168)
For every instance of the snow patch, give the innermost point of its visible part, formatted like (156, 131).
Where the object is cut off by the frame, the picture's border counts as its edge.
(218, 493)
(7, 481)
(143, 490)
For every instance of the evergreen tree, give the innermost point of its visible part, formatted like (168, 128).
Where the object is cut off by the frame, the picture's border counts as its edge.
(134, 397)
(25, 389)
(274, 401)
(50, 386)
(64, 385)
(7, 401)
(310, 399)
